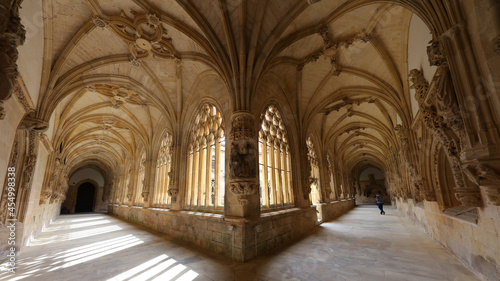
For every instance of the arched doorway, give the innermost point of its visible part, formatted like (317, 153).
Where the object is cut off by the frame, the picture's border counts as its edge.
(370, 181)
(85, 198)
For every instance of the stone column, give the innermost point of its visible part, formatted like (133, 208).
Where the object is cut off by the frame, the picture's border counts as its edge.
(33, 128)
(459, 115)
(325, 180)
(132, 185)
(177, 201)
(12, 35)
(149, 180)
(243, 198)
(302, 198)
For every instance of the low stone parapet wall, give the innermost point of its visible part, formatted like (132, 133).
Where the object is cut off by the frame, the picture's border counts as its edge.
(470, 234)
(236, 238)
(332, 210)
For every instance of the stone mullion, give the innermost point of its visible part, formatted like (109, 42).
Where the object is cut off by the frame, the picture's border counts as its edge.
(190, 179)
(196, 186)
(284, 177)
(265, 189)
(279, 184)
(162, 188)
(162, 196)
(289, 178)
(217, 174)
(272, 196)
(208, 175)
(156, 191)
(167, 177)
(201, 175)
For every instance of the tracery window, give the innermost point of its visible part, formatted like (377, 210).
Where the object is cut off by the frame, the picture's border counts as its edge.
(274, 162)
(162, 181)
(206, 161)
(139, 200)
(314, 196)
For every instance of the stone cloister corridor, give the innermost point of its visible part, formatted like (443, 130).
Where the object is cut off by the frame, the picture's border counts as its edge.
(360, 245)
(237, 126)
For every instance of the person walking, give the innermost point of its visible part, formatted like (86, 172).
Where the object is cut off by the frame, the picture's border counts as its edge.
(380, 202)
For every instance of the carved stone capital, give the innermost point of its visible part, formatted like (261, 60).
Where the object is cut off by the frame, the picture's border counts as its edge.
(35, 124)
(242, 126)
(172, 192)
(145, 196)
(243, 186)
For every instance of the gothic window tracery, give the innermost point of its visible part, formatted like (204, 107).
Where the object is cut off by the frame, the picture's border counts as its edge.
(206, 161)
(163, 166)
(274, 162)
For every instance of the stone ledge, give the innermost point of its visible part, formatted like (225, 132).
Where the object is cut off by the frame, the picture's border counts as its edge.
(237, 238)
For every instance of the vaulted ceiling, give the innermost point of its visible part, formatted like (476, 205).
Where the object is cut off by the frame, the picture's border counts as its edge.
(118, 71)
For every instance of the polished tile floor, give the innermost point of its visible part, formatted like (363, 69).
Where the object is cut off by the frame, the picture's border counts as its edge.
(361, 245)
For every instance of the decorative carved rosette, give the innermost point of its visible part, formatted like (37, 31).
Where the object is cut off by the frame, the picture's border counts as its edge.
(144, 34)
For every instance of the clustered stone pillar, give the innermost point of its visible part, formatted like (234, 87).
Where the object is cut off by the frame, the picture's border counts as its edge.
(242, 198)
(148, 185)
(12, 35)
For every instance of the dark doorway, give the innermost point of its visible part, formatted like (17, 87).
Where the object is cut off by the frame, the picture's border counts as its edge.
(85, 198)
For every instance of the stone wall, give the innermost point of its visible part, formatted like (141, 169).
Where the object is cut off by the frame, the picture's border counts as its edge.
(238, 239)
(473, 237)
(332, 210)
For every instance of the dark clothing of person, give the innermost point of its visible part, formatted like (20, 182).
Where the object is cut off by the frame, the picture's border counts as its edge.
(380, 203)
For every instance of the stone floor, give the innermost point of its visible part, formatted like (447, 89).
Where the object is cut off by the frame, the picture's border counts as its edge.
(361, 245)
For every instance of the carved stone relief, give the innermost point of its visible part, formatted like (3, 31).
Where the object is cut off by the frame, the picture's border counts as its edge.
(12, 37)
(486, 178)
(144, 33)
(243, 159)
(331, 50)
